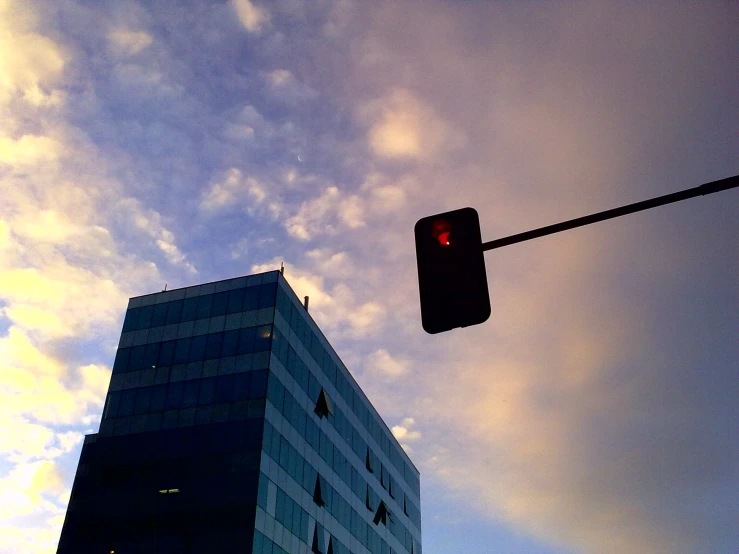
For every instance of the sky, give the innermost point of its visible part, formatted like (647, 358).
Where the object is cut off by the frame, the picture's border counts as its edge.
(145, 144)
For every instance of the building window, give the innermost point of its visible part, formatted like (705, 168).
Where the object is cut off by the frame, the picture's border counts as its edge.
(323, 405)
(317, 494)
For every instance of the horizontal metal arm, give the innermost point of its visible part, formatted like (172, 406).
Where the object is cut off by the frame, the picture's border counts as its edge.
(707, 188)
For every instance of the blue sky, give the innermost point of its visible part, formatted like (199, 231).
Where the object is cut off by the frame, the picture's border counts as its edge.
(144, 144)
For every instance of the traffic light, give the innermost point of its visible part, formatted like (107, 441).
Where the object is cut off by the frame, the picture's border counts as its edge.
(451, 271)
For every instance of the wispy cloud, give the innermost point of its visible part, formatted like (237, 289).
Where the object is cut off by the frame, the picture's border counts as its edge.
(252, 17)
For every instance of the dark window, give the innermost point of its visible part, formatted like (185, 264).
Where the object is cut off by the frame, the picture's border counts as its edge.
(213, 346)
(323, 405)
(263, 338)
(190, 393)
(129, 323)
(190, 309)
(205, 305)
(258, 388)
(128, 398)
(174, 396)
(207, 391)
(121, 360)
(159, 317)
(318, 492)
(158, 397)
(143, 395)
(181, 352)
(174, 314)
(151, 356)
(111, 408)
(144, 320)
(236, 301)
(166, 353)
(251, 299)
(224, 387)
(230, 344)
(197, 348)
(220, 302)
(136, 358)
(267, 295)
(242, 382)
(247, 337)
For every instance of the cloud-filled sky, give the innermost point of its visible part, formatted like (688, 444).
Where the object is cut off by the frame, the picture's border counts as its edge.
(144, 144)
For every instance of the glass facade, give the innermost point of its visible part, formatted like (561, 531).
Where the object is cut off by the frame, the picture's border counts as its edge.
(230, 422)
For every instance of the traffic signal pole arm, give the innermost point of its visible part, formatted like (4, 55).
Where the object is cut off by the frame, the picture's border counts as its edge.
(707, 188)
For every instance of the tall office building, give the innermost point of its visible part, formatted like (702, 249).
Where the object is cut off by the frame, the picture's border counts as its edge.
(231, 426)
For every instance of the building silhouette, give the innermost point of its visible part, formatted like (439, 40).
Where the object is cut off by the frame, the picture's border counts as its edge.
(231, 425)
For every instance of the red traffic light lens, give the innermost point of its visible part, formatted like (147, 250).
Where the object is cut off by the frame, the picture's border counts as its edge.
(441, 229)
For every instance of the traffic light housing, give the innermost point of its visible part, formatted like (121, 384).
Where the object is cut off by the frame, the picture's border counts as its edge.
(451, 271)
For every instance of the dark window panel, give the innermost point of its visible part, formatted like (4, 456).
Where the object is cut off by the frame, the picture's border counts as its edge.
(251, 298)
(181, 352)
(174, 396)
(125, 408)
(258, 387)
(220, 303)
(151, 356)
(111, 406)
(213, 346)
(129, 322)
(236, 301)
(224, 388)
(158, 398)
(143, 395)
(159, 317)
(207, 391)
(144, 320)
(174, 313)
(190, 393)
(241, 386)
(136, 358)
(197, 348)
(205, 305)
(121, 360)
(263, 338)
(267, 294)
(166, 353)
(230, 344)
(275, 393)
(247, 337)
(190, 309)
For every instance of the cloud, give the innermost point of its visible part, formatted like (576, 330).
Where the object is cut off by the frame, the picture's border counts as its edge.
(32, 70)
(233, 189)
(27, 150)
(404, 127)
(37, 386)
(150, 221)
(326, 214)
(402, 432)
(279, 78)
(382, 363)
(252, 17)
(30, 488)
(129, 43)
(283, 84)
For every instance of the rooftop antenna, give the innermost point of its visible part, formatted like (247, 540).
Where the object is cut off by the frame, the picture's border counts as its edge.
(282, 268)
(165, 287)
